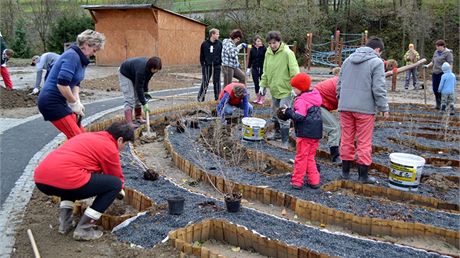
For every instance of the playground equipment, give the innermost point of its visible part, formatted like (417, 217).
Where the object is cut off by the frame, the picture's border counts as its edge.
(332, 53)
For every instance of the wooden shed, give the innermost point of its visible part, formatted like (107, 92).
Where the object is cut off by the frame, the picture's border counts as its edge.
(146, 30)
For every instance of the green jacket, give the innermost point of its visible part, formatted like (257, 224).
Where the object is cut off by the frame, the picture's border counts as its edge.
(411, 57)
(279, 68)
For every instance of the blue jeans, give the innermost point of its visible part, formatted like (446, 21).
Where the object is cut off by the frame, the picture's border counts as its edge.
(410, 72)
(228, 109)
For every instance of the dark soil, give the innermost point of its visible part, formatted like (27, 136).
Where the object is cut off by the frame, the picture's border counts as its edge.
(16, 98)
(119, 207)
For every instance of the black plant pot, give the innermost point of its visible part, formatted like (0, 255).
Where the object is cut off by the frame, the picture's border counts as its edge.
(233, 202)
(176, 205)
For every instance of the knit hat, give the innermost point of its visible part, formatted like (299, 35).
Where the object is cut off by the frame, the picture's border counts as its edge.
(239, 90)
(301, 81)
(411, 45)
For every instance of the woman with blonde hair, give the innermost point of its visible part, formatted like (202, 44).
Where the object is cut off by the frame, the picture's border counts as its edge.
(59, 100)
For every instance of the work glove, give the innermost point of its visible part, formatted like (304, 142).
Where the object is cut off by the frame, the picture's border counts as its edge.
(262, 91)
(146, 108)
(147, 96)
(77, 107)
(240, 46)
(248, 72)
(121, 195)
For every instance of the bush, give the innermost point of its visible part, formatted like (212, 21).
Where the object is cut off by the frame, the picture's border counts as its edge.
(21, 45)
(66, 29)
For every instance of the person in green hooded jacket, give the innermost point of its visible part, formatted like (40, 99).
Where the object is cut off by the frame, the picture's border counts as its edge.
(280, 65)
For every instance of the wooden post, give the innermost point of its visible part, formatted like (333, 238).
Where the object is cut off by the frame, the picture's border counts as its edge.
(365, 37)
(424, 84)
(394, 79)
(332, 43)
(337, 47)
(308, 48)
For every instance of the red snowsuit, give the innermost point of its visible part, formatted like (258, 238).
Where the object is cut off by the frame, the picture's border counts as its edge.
(304, 162)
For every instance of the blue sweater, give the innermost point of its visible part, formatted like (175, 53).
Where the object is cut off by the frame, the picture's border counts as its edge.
(448, 80)
(68, 70)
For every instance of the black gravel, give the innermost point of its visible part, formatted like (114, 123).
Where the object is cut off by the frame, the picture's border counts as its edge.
(150, 229)
(189, 149)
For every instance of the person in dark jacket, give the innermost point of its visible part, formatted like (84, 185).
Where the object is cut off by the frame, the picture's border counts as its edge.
(134, 75)
(255, 65)
(5, 55)
(210, 60)
(308, 125)
(59, 99)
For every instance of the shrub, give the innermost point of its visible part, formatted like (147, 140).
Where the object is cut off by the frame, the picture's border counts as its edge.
(21, 45)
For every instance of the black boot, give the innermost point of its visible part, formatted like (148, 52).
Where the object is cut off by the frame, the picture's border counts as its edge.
(346, 166)
(335, 156)
(364, 177)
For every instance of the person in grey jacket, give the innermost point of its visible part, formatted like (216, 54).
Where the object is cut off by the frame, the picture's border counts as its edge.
(361, 91)
(441, 54)
(43, 62)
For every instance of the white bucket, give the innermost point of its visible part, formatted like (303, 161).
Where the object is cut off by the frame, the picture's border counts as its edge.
(253, 128)
(405, 171)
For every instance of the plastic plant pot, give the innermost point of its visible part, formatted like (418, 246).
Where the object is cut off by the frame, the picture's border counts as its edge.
(233, 203)
(176, 205)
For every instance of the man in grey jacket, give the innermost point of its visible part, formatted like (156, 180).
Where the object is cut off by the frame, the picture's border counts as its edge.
(43, 62)
(361, 91)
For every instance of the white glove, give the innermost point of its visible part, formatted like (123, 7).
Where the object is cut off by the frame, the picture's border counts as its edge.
(262, 91)
(425, 66)
(248, 72)
(240, 46)
(77, 107)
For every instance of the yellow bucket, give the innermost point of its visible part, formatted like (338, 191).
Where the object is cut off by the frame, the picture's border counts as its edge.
(253, 128)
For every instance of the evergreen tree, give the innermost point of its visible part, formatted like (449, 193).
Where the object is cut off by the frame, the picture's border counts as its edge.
(21, 45)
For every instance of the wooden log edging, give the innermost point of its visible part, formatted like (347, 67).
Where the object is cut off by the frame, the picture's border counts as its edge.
(223, 231)
(312, 211)
(134, 198)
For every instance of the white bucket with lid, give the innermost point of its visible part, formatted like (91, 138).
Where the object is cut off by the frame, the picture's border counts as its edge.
(405, 171)
(253, 128)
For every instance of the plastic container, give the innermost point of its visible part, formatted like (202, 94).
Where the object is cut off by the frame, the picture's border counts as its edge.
(176, 205)
(405, 171)
(233, 205)
(253, 128)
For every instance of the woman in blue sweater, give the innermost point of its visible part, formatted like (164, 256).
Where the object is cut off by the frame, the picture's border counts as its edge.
(59, 100)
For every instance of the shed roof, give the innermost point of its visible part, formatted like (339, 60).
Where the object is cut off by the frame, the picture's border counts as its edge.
(135, 6)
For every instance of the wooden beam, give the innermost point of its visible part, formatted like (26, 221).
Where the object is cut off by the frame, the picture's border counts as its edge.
(92, 15)
(154, 16)
(405, 68)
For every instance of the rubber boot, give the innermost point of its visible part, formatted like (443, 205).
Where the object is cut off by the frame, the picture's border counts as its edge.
(138, 115)
(85, 228)
(256, 101)
(277, 134)
(285, 137)
(65, 216)
(346, 166)
(364, 177)
(129, 118)
(261, 100)
(335, 156)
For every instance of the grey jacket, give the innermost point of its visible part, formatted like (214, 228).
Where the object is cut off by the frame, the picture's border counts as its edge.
(361, 84)
(439, 58)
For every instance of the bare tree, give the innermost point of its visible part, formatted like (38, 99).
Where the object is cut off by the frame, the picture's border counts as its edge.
(8, 16)
(43, 14)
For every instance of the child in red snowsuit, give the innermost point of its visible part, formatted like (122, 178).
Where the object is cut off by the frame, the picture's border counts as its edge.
(308, 126)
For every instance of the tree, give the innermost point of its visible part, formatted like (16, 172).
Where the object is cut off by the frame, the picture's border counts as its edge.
(21, 45)
(43, 14)
(66, 29)
(8, 14)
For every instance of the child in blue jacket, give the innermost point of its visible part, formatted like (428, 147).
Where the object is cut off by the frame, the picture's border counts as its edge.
(447, 89)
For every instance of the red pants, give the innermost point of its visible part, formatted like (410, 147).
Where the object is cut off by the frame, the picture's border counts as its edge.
(6, 77)
(68, 126)
(305, 162)
(359, 127)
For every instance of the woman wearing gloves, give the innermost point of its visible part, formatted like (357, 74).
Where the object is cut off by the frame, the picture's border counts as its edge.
(233, 96)
(85, 166)
(280, 66)
(59, 100)
(255, 64)
(134, 75)
(230, 65)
